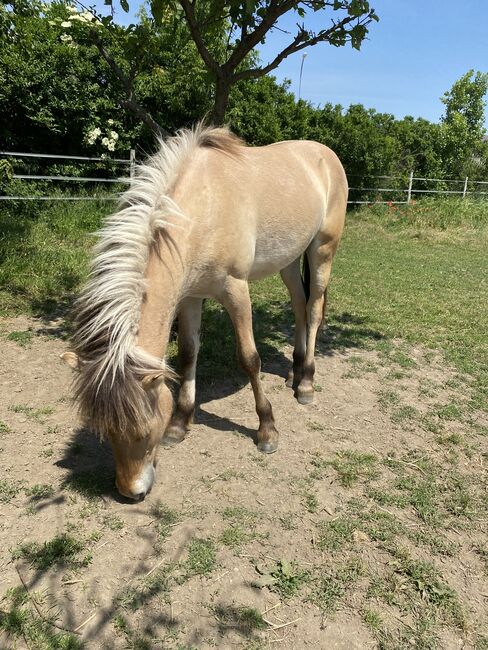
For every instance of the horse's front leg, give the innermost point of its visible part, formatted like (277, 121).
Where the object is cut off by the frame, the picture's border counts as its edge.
(235, 298)
(189, 320)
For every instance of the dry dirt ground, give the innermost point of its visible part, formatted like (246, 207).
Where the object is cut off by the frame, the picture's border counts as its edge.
(320, 545)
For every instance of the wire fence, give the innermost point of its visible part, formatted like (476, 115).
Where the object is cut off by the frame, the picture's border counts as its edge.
(363, 189)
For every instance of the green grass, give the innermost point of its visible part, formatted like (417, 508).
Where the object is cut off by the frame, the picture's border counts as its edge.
(37, 415)
(244, 620)
(44, 250)
(21, 621)
(62, 550)
(165, 519)
(202, 557)
(8, 490)
(22, 338)
(40, 491)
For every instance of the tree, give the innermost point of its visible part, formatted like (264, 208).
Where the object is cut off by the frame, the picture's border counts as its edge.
(248, 23)
(463, 149)
(244, 24)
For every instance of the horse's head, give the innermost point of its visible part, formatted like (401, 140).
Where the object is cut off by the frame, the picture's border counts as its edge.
(133, 413)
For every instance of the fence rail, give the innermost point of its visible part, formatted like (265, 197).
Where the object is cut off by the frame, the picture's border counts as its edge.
(403, 194)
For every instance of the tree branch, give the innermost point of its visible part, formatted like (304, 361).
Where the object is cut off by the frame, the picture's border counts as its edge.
(300, 42)
(210, 62)
(126, 82)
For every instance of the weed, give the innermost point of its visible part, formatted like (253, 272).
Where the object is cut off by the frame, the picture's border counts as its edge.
(4, 428)
(22, 622)
(235, 536)
(285, 578)
(310, 502)
(244, 620)
(8, 490)
(156, 584)
(90, 484)
(113, 522)
(61, 550)
(37, 415)
(22, 338)
(166, 518)
(201, 557)
(40, 491)
(331, 587)
(353, 465)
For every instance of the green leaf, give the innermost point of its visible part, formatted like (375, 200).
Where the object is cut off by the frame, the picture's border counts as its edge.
(125, 5)
(157, 10)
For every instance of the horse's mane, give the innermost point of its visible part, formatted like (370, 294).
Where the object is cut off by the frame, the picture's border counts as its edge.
(108, 387)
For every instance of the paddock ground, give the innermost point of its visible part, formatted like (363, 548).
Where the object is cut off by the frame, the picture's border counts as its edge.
(366, 530)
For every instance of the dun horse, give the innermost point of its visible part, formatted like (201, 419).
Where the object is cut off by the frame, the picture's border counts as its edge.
(201, 218)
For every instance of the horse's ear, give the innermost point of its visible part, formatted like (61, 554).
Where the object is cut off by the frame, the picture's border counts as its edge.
(71, 359)
(153, 380)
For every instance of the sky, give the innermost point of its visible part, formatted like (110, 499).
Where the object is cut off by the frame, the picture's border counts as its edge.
(411, 58)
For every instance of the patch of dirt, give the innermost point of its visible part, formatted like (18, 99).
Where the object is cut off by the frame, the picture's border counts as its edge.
(216, 468)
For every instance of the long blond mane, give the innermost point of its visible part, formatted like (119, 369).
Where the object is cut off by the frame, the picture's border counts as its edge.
(108, 388)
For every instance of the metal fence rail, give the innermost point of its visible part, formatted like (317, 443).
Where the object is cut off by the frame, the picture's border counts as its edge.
(403, 194)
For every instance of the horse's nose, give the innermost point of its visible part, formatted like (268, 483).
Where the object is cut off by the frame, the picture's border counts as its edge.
(139, 496)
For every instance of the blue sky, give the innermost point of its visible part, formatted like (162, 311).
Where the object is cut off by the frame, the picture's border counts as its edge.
(413, 55)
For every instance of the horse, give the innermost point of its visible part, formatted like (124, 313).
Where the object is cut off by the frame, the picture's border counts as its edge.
(201, 218)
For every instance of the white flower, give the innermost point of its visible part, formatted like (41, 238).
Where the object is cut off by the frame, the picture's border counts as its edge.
(92, 135)
(66, 23)
(105, 142)
(110, 121)
(73, 10)
(114, 135)
(111, 145)
(66, 38)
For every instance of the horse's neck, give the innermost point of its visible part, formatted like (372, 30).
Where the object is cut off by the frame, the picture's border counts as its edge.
(164, 281)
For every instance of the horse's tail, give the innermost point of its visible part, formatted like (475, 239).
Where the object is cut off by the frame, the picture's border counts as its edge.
(306, 276)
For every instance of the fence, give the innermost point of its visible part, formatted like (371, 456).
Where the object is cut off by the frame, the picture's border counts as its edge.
(407, 187)
(128, 163)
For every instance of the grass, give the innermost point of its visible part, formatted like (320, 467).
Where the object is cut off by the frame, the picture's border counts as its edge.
(331, 586)
(202, 557)
(21, 621)
(22, 338)
(165, 518)
(352, 465)
(244, 620)
(401, 278)
(36, 415)
(8, 490)
(61, 550)
(284, 578)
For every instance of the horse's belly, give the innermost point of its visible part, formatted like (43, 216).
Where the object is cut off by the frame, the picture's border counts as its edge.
(275, 250)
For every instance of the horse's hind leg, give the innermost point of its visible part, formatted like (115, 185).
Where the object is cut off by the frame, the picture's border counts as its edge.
(189, 319)
(320, 259)
(292, 278)
(236, 301)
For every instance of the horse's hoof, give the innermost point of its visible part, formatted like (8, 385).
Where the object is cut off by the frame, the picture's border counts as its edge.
(289, 383)
(304, 398)
(171, 441)
(268, 447)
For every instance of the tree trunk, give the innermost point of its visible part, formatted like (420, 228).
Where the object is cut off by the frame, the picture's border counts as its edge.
(222, 90)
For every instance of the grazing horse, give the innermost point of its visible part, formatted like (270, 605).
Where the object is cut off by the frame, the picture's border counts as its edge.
(201, 218)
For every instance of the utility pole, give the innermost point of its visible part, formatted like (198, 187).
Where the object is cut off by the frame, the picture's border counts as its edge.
(304, 56)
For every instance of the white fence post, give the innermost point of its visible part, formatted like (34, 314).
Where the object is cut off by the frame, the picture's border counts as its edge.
(410, 184)
(132, 162)
(465, 187)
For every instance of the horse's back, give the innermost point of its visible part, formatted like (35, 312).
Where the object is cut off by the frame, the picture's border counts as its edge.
(260, 207)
